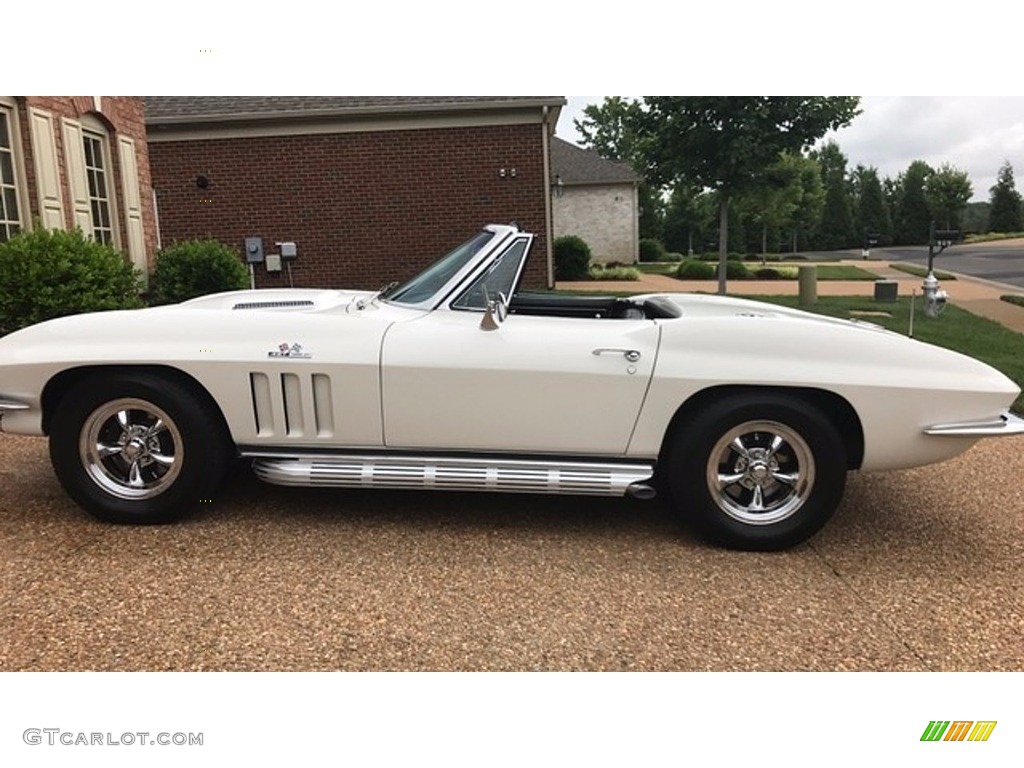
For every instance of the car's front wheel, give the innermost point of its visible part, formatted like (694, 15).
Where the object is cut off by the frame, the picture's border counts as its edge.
(758, 472)
(137, 448)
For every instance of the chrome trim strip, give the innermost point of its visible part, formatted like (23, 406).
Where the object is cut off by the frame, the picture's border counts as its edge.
(454, 474)
(1007, 424)
(8, 405)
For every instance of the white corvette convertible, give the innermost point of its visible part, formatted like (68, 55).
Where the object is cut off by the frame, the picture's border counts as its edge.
(747, 416)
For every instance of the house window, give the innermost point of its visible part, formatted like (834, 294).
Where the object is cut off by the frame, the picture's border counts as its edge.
(96, 167)
(10, 215)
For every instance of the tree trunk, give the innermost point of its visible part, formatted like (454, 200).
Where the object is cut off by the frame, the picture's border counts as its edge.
(723, 242)
(764, 243)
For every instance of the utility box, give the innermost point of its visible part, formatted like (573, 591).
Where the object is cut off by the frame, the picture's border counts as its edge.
(886, 291)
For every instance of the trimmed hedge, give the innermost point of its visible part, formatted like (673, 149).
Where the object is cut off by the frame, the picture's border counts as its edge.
(694, 269)
(48, 273)
(572, 258)
(194, 268)
(651, 249)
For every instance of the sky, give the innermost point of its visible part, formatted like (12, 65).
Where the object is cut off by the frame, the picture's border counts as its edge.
(975, 134)
(787, 47)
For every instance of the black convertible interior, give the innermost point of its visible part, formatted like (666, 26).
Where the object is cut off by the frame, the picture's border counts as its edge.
(612, 307)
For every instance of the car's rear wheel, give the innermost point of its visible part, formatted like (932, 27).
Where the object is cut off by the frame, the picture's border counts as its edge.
(758, 472)
(137, 448)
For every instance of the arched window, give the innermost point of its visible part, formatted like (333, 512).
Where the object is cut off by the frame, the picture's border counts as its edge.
(97, 171)
(12, 209)
(91, 174)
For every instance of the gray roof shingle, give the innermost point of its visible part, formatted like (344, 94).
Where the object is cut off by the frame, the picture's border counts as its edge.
(180, 109)
(584, 166)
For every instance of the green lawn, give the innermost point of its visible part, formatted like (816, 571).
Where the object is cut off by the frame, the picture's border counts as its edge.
(785, 271)
(954, 329)
(914, 269)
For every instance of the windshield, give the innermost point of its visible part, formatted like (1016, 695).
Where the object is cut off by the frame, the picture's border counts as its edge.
(428, 282)
(500, 278)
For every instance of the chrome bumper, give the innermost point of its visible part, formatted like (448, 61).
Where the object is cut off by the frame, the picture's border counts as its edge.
(7, 405)
(1007, 424)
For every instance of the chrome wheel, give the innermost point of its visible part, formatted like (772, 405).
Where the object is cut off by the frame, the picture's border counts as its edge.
(131, 449)
(760, 472)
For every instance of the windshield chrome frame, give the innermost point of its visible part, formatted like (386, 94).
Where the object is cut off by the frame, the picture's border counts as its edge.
(502, 234)
(506, 245)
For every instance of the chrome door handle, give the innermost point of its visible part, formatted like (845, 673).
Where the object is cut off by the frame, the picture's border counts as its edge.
(630, 354)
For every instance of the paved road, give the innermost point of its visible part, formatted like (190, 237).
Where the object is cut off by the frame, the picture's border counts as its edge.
(1001, 261)
(919, 570)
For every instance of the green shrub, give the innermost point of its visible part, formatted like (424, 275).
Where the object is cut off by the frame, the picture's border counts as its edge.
(52, 273)
(736, 270)
(767, 273)
(572, 258)
(694, 269)
(651, 249)
(195, 268)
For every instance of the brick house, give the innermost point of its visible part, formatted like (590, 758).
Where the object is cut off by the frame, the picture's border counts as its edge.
(596, 199)
(370, 189)
(78, 161)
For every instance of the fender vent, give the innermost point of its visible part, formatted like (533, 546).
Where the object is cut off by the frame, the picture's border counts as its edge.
(292, 404)
(273, 304)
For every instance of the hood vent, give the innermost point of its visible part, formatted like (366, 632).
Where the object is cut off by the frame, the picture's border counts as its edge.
(273, 304)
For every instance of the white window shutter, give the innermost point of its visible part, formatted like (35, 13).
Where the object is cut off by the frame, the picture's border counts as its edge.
(78, 182)
(132, 203)
(44, 158)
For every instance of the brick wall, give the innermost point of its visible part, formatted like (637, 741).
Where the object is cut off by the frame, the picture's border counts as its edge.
(362, 208)
(123, 116)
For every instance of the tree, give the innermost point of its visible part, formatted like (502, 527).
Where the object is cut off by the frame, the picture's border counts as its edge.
(1005, 211)
(836, 228)
(726, 143)
(652, 211)
(912, 222)
(689, 220)
(774, 202)
(976, 217)
(872, 212)
(610, 130)
(812, 199)
(947, 191)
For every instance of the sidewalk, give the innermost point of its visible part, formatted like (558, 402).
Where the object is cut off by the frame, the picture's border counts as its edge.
(981, 297)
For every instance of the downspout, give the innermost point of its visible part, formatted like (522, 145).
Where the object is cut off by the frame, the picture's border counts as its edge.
(547, 198)
(636, 222)
(156, 220)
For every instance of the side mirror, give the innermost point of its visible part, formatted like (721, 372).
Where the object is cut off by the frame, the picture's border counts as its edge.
(492, 316)
(495, 312)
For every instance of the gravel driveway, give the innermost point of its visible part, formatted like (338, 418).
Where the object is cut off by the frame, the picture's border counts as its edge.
(920, 570)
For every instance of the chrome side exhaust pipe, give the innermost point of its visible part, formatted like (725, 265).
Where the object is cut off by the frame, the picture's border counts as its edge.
(641, 491)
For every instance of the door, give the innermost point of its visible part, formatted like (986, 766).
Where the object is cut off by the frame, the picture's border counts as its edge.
(570, 386)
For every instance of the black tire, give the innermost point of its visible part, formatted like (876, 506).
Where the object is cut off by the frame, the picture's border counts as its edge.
(138, 448)
(757, 471)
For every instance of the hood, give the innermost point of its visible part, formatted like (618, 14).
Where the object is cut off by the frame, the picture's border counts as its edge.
(277, 300)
